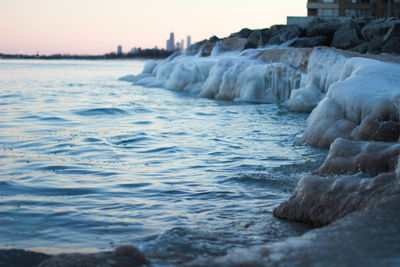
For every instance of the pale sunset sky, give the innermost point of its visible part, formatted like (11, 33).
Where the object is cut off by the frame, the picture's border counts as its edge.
(98, 26)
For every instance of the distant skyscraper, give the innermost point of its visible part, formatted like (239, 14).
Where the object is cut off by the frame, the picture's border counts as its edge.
(172, 39)
(119, 50)
(188, 41)
(171, 42)
(182, 44)
(133, 50)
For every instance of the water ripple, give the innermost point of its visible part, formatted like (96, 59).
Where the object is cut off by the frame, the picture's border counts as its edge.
(100, 111)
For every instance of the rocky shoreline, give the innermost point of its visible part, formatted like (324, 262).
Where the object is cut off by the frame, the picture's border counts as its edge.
(362, 35)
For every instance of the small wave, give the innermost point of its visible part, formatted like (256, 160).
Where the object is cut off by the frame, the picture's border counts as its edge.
(142, 110)
(133, 140)
(29, 117)
(168, 149)
(91, 140)
(205, 114)
(100, 111)
(10, 95)
(142, 122)
(52, 119)
(74, 170)
(134, 185)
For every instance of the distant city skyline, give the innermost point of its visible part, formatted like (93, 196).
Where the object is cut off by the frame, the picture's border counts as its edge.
(90, 27)
(171, 45)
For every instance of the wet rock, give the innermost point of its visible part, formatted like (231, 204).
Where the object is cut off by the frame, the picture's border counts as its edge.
(348, 35)
(369, 237)
(385, 127)
(320, 201)
(123, 256)
(350, 157)
(21, 258)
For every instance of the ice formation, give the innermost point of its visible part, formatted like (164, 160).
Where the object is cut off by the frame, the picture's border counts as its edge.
(350, 97)
(362, 105)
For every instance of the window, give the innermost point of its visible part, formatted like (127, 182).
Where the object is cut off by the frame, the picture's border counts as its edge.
(328, 12)
(357, 12)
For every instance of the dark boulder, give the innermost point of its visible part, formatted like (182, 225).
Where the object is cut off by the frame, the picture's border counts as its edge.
(361, 48)
(213, 39)
(318, 27)
(243, 33)
(348, 35)
(207, 49)
(21, 258)
(363, 21)
(392, 39)
(279, 34)
(311, 41)
(231, 44)
(392, 46)
(375, 46)
(123, 256)
(253, 41)
(195, 48)
(377, 29)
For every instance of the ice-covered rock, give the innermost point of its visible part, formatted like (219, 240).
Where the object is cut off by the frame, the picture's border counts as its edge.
(360, 105)
(368, 237)
(320, 200)
(350, 157)
(323, 69)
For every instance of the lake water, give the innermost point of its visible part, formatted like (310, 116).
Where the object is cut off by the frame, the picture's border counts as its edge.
(88, 163)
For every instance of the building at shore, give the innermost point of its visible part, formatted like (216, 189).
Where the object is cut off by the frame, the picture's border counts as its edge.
(354, 8)
(119, 50)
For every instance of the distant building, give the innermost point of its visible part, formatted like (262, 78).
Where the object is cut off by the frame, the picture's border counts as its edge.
(119, 50)
(354, 8)
(171, 42)
(188, 41)
(133, 50)
(182, 44)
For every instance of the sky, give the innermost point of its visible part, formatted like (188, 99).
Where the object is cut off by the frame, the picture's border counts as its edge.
(90, 27)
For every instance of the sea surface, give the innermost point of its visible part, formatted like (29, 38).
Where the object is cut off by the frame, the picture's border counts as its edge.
(88, 162)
